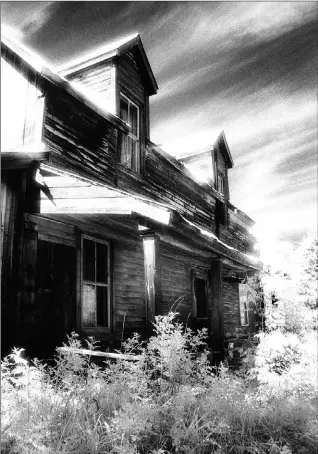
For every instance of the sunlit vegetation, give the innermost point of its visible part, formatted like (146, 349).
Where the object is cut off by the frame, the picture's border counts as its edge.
(170, 400)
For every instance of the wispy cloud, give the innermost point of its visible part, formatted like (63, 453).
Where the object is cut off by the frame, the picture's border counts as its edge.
(246, 67)
(26, 24)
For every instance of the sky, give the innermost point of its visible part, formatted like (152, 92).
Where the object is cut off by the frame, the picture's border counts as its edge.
(248, 68)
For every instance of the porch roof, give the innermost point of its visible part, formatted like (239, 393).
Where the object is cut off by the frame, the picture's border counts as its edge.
(66, 194)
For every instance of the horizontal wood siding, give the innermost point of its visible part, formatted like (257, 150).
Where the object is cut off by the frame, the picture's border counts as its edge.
(98, 78)
(88, 142)
(130, 78)
(237, 233)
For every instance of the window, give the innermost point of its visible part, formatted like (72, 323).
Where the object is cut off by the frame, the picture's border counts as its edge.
(95, 284)
(130, 146)
(220, 184)
(244, 303)
(200, 297)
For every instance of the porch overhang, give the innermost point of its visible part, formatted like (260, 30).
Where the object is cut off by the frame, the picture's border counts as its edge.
(65, 194)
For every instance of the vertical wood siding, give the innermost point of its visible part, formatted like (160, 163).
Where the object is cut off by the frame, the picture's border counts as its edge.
(129, 288)
(176, 280)
(231, 307)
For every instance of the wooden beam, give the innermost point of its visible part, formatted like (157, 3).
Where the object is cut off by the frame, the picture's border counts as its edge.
(152, 278)
(83, 351)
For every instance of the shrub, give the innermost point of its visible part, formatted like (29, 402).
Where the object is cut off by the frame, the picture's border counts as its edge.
(168, 401)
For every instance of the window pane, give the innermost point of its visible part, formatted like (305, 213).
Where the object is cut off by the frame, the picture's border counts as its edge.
(133, 120)
(88, 260)
(89, 306)
(124, 110)
(125, 157)
(102, 262)
(135, 156)
(102, 306)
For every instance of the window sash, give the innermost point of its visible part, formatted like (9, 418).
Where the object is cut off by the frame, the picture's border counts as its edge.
(95, 302)
(130, 145)
(220, 184)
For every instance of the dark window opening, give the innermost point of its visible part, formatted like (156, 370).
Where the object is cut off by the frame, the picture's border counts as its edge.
(201, 298)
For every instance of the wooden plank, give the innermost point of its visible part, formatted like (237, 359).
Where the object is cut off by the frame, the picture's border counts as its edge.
(83, 351)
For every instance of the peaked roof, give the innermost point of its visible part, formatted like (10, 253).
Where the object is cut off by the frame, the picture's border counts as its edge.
(108, 51)
(220, 142)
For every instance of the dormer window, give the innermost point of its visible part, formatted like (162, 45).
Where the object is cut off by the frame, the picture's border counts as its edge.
(130, 144)
(220, 186)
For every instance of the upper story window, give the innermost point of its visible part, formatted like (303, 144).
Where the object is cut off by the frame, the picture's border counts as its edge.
(220, 184)
(130, 144)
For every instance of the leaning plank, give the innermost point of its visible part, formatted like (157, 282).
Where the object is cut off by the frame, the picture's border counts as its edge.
(83, 351)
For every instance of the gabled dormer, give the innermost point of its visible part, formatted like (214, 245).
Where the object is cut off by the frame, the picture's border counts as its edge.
(211, 166)
(119, 76)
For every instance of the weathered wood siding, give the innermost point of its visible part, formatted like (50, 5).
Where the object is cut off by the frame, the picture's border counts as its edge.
(13, 200)
(237, 233)
(130, 78)
(176, 280)
(87, 142)
(231, 302)
(129, 288)
(99, 78)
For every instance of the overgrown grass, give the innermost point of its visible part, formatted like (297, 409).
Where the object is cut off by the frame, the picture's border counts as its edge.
(169, 401)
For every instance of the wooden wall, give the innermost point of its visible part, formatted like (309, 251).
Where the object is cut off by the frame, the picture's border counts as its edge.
(129, 288)
(176, 280)
(13, 200)
(231, 301)
(87, 142)
(99, 78)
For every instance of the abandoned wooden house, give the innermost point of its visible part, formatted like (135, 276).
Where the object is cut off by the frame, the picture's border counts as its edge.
(101, 229)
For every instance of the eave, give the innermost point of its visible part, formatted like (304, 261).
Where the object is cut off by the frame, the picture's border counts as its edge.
(11, 50)
(110, 51)
(221, 142)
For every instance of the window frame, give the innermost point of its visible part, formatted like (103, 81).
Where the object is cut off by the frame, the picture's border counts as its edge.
(221, 184)
(203, 275)
(130, 135)
(243, 305)
(96, 283)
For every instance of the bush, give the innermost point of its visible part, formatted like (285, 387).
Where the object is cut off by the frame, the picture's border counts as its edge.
(169, 401)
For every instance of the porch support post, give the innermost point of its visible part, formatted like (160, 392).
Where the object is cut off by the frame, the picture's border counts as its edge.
(152, 278)
(217, 319)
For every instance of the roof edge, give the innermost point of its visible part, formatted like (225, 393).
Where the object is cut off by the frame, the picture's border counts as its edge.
(109, 51)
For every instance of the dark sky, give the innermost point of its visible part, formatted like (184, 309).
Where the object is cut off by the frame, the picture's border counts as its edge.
(248, 68)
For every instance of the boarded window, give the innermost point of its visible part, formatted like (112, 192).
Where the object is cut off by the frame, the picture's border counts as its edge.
(95, 284)
(130, 145)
